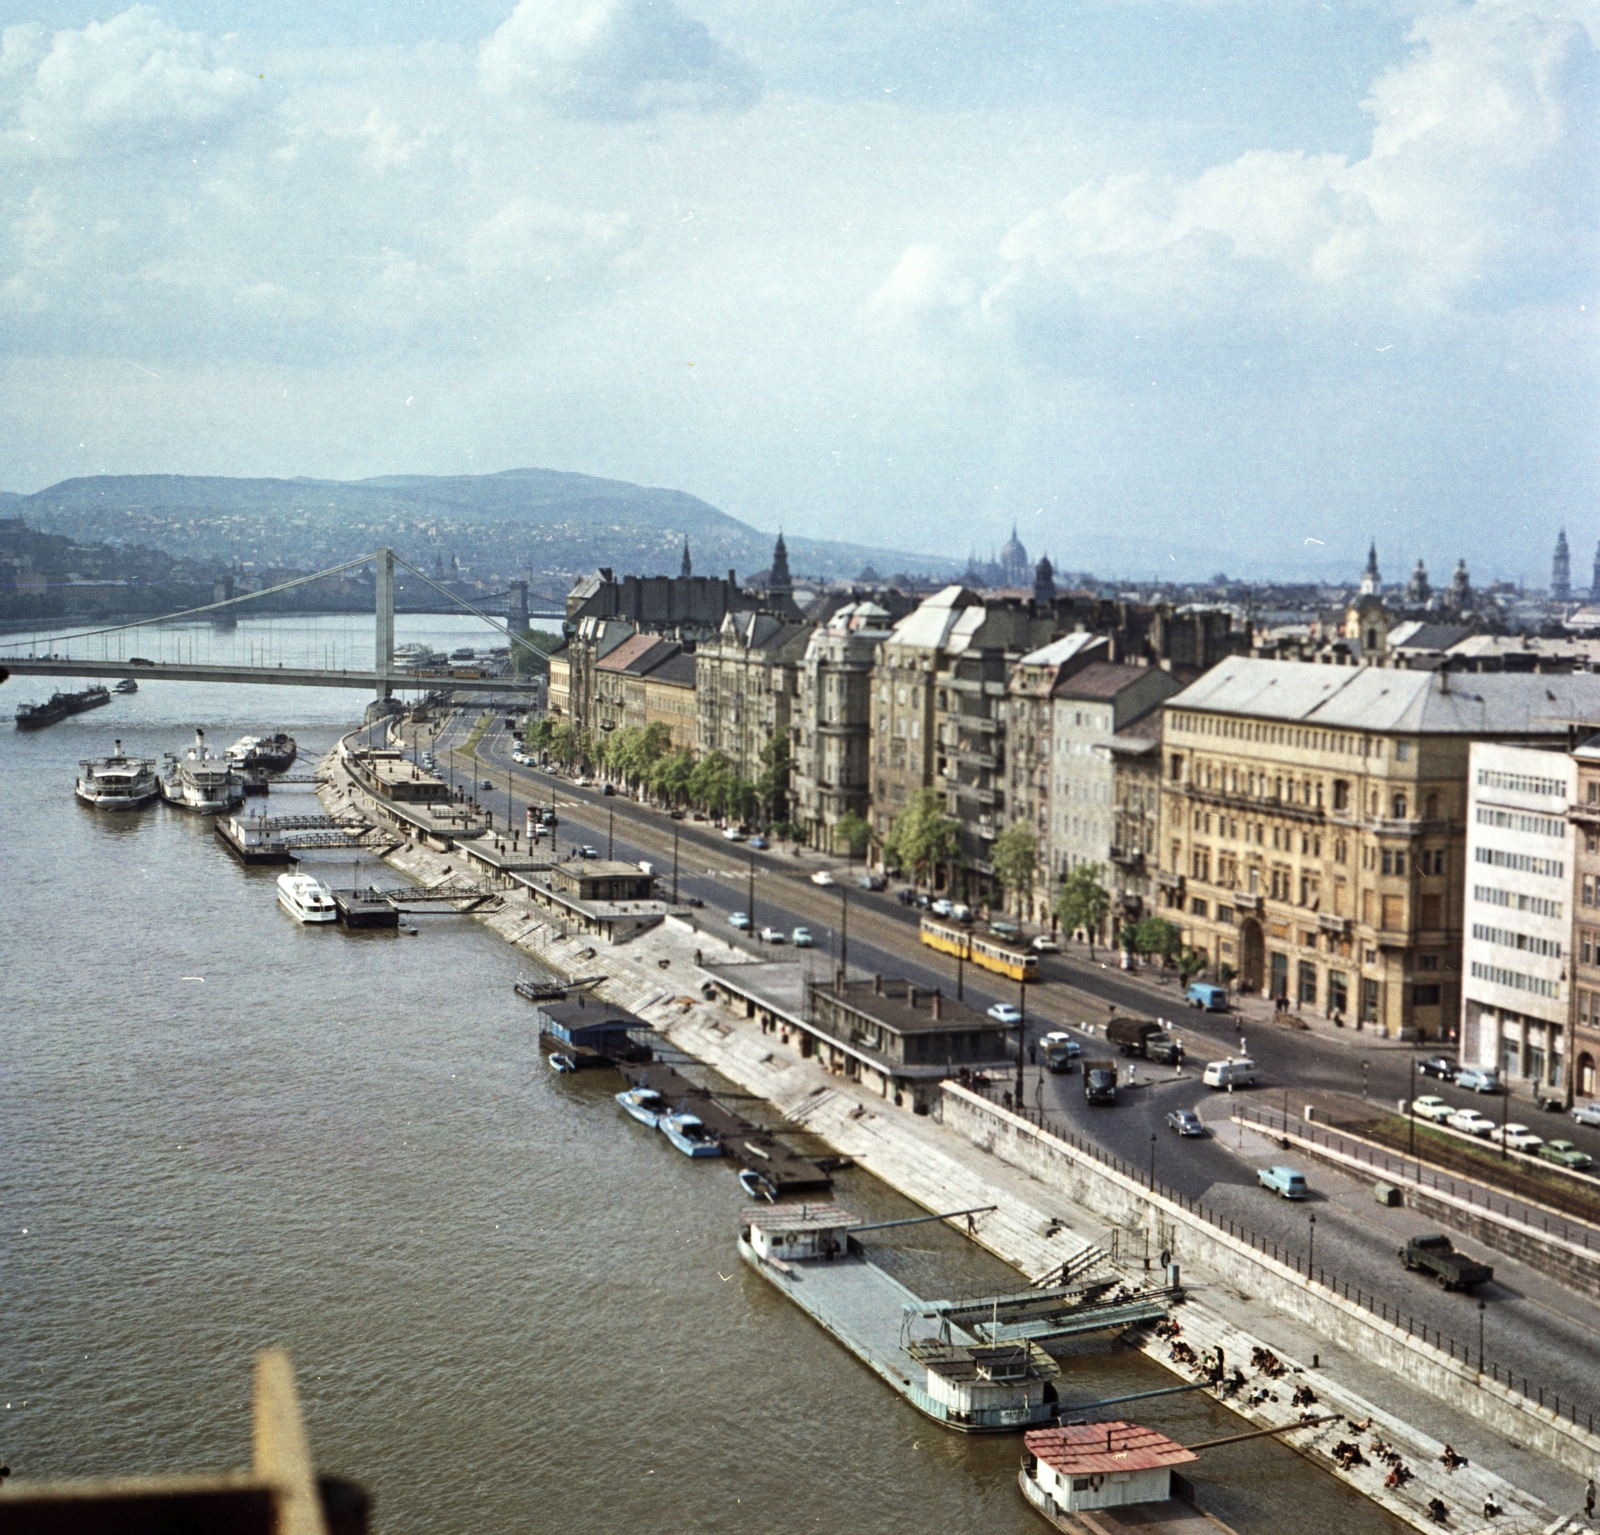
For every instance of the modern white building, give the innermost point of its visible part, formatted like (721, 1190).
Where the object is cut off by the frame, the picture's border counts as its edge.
(1517, 925)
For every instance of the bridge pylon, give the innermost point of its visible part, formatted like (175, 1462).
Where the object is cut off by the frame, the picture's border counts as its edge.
(383, 658)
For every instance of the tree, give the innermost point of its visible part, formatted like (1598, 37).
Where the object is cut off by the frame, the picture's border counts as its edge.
(1190, 963)
(670, 775)
(1156, 935)
(1083, 900)
(855, 831)
(1015, 858)
(708, 781)
(772, 787)
(922, 836)
(1128, 938)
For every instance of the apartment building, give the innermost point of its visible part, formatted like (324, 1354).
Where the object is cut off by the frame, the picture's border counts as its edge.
(619, 681)
(745, 685)
(1519, 932)
(1583, 1016)
(1314, 826)
(832, 729)
(669, 698)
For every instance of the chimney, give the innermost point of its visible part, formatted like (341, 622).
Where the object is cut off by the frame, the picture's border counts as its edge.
(911, 996)
(877, 986)
(938, 998)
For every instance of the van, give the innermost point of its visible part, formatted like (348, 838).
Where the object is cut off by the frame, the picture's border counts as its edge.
(1238, 1072)
(1214, 999)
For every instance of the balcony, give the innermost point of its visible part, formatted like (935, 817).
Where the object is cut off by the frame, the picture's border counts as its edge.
(1339, 926)
(978, 759)
(1249, 904)
(1168, 881)
(1128, 858)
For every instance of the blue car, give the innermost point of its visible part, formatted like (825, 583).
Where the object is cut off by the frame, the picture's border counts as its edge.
(1214, 999)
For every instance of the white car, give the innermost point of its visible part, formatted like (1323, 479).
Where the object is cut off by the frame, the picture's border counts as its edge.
(822, 877)
(1431, 1107)
(732, 834)
(1045, 944)
(1004, 1012)
(772, 935)
(1471, 1122)
(1059, 1040)
(942, 907)
(1587, 1114)
(1520, 1138)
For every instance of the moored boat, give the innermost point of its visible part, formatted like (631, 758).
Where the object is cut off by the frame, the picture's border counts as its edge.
(127, 685)
(60, 707)
(200, 780)
(645, 1104)
(264, 754)
(562, 1063)
(117, 782)
(306, 898)
(756, 1185)
(252, 838)
(689, 1135)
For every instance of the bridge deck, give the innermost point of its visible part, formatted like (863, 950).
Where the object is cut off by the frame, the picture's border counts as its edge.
(271, 676)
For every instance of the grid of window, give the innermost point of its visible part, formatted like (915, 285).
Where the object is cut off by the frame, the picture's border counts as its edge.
(1520, 783)
(1506, 938)
(1492, 895)
(1515, 979)
(1523, 863)
(1516, 820)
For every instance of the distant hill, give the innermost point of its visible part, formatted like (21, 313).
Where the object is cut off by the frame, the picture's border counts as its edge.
(558, 524)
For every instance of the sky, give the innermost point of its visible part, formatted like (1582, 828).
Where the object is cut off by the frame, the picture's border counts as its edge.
(1175, 286)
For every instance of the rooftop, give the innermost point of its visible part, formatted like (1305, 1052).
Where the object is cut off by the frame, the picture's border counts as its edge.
(1101, 679)
(801, 1217)
(906, 1008)
(1084, 1449)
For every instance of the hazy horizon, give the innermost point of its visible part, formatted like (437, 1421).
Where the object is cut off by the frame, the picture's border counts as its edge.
(1176, 287)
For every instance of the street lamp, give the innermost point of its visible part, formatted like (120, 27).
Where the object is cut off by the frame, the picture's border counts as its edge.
(750, 904)
(1152, 1162)
(1481, 1305)
(674, 863)
(1412, 1105)
(1505, 1111)
(1022, 1033)
(611, 829)
(1311, 1247)
(844, 931)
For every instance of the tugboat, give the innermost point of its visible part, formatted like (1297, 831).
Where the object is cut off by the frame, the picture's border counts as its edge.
(201, 780)
(118, 782)
(37, 716)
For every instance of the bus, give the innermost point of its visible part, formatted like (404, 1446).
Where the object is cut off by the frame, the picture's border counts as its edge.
(981, 949)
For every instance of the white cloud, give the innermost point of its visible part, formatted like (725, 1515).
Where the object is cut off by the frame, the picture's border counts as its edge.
(617, 59)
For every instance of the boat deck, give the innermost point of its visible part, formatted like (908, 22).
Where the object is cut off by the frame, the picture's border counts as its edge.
(362, 908)
(786, 1169)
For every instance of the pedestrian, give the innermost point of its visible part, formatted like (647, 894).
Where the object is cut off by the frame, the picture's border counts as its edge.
(1032, 1058)
(1588, 1500)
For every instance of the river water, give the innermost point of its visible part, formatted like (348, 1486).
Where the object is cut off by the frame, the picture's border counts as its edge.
(509, 1306)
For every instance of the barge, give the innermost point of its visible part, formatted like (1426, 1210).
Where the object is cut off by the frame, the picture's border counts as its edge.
(253, 839)
(60, 707)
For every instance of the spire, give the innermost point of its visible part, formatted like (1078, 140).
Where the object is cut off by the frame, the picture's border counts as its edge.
(1561, 569)
(688, 566)
(779, 583)
(1370, 579)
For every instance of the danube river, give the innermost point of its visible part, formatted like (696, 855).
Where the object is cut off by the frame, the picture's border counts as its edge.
(509, 1306)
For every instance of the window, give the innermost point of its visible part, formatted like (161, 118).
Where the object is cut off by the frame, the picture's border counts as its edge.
(1177, 769)
(1338, 994)
(1426, 996)
(1402, 751)
(1308, 982)
(1399, 804)
(1279, 985)
(1369, 1001)
(1394, 860)
(1341, 794)
(1394, 913)
(1427, 961)
(1432, 911)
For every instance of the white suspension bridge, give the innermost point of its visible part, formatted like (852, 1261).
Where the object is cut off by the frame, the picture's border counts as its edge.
(99, 652)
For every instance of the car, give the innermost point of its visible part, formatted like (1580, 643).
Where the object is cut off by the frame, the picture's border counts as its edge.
(822, 877)
(140, 661)
(692, 900)
(588, 851)
(1565, 1154)
(739, 919)
(1438, 1066)
(1471, 1122)
(771, 935)
(1586, 1114)
(942, 907)
(1236, 1071)
(905, 895)
(547, 818)
(1431, 1107)
(675, 815)
(1004, 1012)
(732, 834)
(1478, 1079)
(801, 938)
(961, 912)
(488, 783)
(869, 881)
(607, 789)
(760, 844)
(1045, 944)
(921, 900)
(1210, 999)
(1285, 1182)
(1185, 1122)
(1059, 1050)
(1004, 927)
(1520, 1138)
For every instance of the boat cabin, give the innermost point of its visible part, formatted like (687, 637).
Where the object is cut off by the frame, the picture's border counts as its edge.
(587, 1024)
(798, 1232)
(1098, 1465)
(989, 1385)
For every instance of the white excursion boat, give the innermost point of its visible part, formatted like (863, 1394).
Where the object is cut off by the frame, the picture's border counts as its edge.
(118, 782)
(306, 899)
(200, 780)
(645, 1104)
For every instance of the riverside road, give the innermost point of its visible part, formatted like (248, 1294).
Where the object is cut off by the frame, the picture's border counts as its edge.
(1532, 1326)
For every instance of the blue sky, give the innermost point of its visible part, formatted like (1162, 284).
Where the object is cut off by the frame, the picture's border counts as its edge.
(1176, 287)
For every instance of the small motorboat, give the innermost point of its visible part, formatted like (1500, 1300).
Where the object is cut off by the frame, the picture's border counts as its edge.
(757, 1185)
(689, 1135)
(562, 1063)
(127, 685)
(645, 1104)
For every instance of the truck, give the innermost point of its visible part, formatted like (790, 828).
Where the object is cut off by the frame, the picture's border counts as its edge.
(1100, 1081)
(1454, 1270)
(1144, 1037)
(1058, 1051)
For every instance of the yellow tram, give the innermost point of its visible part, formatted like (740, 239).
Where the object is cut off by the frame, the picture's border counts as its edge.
(981, 949)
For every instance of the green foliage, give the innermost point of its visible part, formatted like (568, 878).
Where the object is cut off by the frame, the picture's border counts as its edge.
(1128, 938)
(855, 831)
(1083, 900)
(1190, 964)
(772, 787)
(1016, 859)
(710, 781)
(1156, 935)
(922, 836)
(669, 776)
(633, 753)
(531, 651)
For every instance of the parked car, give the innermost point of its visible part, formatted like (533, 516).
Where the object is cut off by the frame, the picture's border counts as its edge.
(772, 935)
(590, 852)
(1185, 1122)
(1454, 1270)
(1520, 1138)
(732, 834)
(488, 783)
(1471, 1122)
(942, 907)
(739, 919)
(1004, 927)
(801, 938)
(1045, 944)
(692, 900)
(675, 815)
(1565, 1154)
(870, 881)
(607, 789)
(1285, 1182)
(760, 844)
(1004, 1012)
(547, 818)
(1431, 1107)
(1438, 1066)
(1478, 1079)
(1212, 999)
(1233, 1072)
(822, 877)
(1586, 1114)
(961, 912)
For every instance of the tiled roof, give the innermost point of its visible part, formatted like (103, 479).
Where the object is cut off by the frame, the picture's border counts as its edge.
(1084, 1449)
(629, 651)
(1101, 679)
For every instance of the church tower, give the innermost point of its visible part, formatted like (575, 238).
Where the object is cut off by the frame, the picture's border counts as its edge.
(1594, 585)
(780, 583)
(1561, 570)
(1044, 582)
(1370, 580)
(687, 569)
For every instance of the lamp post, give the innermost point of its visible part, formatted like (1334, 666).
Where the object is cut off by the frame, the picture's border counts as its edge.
(674, 863)
(750, 899)
(961, 962)
(1022, 1033)
(611, 829)
(844, 931)
(1505, 1112)
(1481, 1305)
(1411, 1104)
(1152, 1162)
(1311, 1246)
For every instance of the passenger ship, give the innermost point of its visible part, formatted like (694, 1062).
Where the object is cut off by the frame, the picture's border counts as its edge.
(200, 780)
(118, 782)
(306, 899)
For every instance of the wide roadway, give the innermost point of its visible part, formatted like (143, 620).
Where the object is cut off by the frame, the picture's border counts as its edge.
(1534, 1327)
